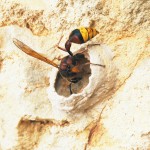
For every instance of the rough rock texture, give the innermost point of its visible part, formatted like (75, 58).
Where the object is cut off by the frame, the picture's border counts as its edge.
(27, 118)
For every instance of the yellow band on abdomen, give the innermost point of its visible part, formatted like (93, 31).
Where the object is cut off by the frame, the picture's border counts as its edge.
(84, 33)
(90, 32)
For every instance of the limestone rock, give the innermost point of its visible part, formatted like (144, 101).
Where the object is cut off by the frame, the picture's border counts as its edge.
(115, 112)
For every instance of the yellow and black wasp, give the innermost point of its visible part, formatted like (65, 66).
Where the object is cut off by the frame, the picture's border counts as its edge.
(79, 36)
(71, 66)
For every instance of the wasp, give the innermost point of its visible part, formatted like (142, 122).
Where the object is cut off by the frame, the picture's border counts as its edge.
(78, 36)
(71, 66)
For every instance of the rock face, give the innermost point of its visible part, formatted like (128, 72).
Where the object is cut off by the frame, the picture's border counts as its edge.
(111, 112)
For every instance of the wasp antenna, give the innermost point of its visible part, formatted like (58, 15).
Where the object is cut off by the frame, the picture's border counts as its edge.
(60, 40)
(88, 63)
(32, 53)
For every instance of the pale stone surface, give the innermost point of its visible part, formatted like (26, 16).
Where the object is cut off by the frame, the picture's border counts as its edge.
(27, 117)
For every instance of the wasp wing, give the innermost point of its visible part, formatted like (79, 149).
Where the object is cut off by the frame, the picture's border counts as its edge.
(32, 53)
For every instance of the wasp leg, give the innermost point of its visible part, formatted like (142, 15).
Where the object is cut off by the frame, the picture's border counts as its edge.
(70, 88)
(98, 65)
(74, 80)
(57, 45)
(92, 44)
(88, 73)
(63, 49)
(94, 64)
(58, 58)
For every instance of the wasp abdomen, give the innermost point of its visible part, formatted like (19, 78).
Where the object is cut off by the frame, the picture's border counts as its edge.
(82, 35)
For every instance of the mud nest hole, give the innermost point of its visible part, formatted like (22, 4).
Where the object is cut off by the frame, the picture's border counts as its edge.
(62, 85)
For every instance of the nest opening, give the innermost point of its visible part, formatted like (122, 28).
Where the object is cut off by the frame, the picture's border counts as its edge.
(62, 84)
